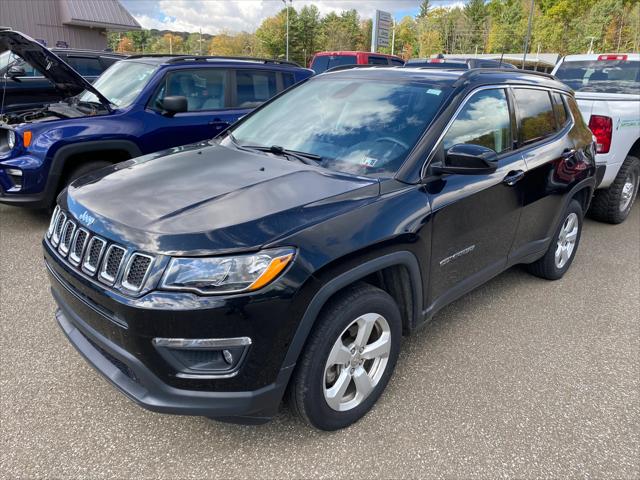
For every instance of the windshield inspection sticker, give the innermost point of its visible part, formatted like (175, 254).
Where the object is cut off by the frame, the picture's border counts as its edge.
(369, 162)
(434, 91)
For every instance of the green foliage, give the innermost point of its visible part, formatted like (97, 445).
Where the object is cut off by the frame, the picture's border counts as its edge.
(485, 26)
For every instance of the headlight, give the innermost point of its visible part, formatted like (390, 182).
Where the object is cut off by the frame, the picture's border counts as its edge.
(215, 275)
(11, 139)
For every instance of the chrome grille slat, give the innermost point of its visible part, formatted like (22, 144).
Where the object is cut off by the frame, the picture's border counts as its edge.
(66, 237)
(60, 221)
(112, 263)
(136, 272)
(77, 246)
(95, 256)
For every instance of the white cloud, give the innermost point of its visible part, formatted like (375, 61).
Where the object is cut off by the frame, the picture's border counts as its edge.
(214, 16)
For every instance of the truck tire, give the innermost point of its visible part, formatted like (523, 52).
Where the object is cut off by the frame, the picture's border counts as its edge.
(559, 256)
(613, 204)
(354, 345)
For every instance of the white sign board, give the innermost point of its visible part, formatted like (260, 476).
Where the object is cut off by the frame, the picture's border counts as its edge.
(382, 27)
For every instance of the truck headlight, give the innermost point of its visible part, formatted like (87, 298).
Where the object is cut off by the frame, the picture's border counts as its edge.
(217, 275)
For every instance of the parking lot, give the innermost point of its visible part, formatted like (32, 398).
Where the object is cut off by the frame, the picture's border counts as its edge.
(521, 378)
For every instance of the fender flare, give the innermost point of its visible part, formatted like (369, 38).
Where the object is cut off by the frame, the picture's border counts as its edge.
(63, 153)
(403, 258)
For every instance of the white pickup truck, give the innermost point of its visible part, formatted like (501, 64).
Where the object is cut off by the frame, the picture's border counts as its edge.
(607, 88)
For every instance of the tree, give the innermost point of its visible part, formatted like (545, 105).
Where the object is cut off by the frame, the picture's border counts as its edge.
(476, 16)
(406, 37)
(227, 45)
(424, 9)
(306, 29)
(271, 35)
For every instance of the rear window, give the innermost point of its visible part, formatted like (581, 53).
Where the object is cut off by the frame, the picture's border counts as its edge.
(537, 119)
(377, 60)
(602, 76)
(85, 66)
(322, 63)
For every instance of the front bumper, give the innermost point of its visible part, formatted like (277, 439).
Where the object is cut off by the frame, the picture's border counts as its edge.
(124, 355)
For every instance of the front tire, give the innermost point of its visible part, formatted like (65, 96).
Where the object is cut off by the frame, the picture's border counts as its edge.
(558, 258)
(348, 359)
(613, 204)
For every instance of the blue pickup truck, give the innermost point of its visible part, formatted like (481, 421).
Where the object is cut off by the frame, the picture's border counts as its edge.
(137, 106)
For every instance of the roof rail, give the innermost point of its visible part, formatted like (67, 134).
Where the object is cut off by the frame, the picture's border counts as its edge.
(175, 58)
(473, 72)
(352, 66)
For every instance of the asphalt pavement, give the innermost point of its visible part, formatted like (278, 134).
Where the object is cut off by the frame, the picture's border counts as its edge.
(521, 378)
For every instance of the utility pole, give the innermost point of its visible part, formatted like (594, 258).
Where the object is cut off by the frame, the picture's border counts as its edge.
(393, 36)
(200, 43)
(528, 37)
(591, 44)
(287, 7)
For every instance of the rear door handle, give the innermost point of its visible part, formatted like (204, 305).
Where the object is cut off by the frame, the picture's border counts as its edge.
(513, 177)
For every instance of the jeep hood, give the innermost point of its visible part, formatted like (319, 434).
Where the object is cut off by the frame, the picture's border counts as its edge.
(204, 198)
(48, 63)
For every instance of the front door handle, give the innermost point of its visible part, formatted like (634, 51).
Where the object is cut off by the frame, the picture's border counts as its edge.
(513, 177)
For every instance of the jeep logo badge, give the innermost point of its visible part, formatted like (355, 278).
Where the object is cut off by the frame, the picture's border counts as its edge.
(86, 218)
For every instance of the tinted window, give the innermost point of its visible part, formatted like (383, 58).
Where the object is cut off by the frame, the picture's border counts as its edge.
(108, 61)
(361, 126)
(537, 119)
(395, 61)
(604, 76)
(288, 80)
(85, 66)
(9, 59)
(377, 60)
(325, 62)
(484, 120)
(254, 87)
(204, 88)
(560, 109)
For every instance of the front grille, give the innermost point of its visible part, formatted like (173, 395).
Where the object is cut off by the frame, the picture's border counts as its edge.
(113, 263)
(136, 271)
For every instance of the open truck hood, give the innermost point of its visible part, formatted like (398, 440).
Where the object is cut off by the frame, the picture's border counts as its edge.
(48, 63)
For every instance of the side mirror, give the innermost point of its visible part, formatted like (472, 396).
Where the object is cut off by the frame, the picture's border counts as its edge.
(468, 159)
(174, 104)
(16, 71)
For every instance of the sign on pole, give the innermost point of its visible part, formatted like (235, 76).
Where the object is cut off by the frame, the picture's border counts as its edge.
(382, 26)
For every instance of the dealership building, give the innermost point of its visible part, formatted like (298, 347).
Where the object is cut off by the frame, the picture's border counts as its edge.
(67, 23)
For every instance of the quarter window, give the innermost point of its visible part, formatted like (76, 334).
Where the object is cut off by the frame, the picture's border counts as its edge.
(537, 120)
(203, 88)
(254, 87)
(560, 109)
(378, 61)
(484, 120)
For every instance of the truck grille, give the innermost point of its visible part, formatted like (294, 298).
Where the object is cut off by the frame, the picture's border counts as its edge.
(113, 263)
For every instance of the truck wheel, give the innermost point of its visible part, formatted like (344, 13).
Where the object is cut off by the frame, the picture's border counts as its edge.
(563, 248)
(348, 359)
(613, 204)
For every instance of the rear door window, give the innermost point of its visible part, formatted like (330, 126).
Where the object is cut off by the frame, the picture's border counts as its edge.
(537, 119)
(560, 109)
(254, 87)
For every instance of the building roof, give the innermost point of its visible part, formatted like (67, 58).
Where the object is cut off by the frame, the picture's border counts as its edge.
(109, 14)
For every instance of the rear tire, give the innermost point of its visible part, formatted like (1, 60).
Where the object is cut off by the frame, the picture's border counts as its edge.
(343, 369)
(563, 248)
(613, 204)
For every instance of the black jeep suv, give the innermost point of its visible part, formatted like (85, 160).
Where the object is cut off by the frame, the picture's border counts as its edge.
(293, 252)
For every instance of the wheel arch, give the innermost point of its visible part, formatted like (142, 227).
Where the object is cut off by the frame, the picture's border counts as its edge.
(634, 151)
(391, 263)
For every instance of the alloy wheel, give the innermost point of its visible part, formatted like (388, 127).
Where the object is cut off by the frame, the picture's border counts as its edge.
(628, 190)
(357, 362)
(566, 240)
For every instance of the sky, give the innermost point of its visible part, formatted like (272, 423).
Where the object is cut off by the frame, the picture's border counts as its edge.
(215, 16)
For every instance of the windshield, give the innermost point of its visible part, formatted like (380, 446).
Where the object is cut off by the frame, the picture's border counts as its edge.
(602, 76)
(121, 83)
(356, 125)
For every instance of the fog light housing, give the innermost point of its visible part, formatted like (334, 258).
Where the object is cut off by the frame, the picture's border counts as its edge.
(204, 358)
(15, 175)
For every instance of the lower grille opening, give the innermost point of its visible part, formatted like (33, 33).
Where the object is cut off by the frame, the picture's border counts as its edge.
(120, 365)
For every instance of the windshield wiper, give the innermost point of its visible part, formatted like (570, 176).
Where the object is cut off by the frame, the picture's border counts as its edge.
(303, 157)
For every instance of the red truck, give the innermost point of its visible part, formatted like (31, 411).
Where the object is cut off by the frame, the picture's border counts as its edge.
(323, 61)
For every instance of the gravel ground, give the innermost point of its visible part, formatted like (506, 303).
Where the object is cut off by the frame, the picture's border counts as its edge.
(521, 378)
